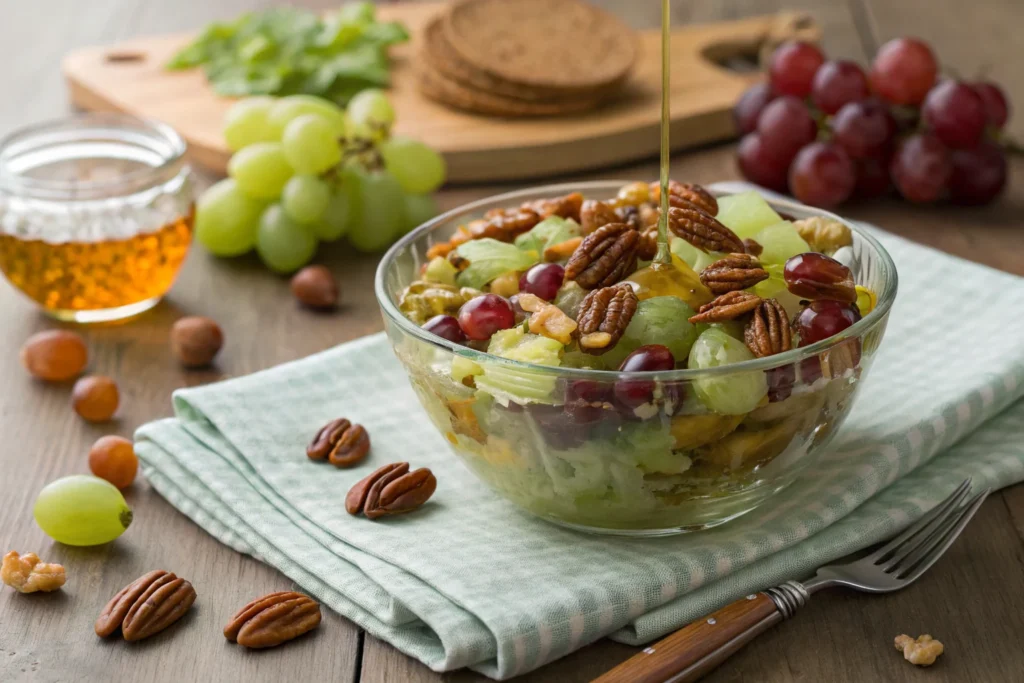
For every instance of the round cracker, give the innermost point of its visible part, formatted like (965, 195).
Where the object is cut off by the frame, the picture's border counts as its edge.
(440, 88)
(562, 44)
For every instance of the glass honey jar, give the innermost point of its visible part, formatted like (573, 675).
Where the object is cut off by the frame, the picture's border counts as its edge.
(96, 214)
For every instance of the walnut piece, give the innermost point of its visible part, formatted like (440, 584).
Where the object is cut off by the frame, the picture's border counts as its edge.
(547, 319)
(824, 234)
(922, 651)
(28, 574)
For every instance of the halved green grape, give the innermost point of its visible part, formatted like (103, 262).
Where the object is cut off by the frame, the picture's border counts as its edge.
(310, 145)
(261, 170)
(512, 383)
(305, 198)
(732, 394)
(660, 320)
(372, 107)
(419, 208)
(698, 259)
(335, 219)
(286, 109)
(416, 167)
(378, 215)
(82, 510)
(284, 245)
(746, 213)
(227, 219)
(780, 242)
(246, 123)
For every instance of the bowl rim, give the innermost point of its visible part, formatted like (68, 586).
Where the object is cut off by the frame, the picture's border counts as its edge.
(884, 303)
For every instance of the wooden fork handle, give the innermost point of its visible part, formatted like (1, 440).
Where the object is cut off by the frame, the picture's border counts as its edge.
(693, 651)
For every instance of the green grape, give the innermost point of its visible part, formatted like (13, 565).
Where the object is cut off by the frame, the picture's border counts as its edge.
(309, 144)
(697, 259)
(261, 170)
(372, 107)
(335, 219)
(419, 208)
(246, 123)
(305, 198)
(730, 394)
(780, 242)
(226, 219)
(378, 214)
(416, 167)
(284, 245)
(746, 213)
(289, 108)
(82, 510)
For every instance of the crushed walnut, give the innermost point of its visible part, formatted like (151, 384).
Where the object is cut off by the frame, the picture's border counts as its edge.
(922, 651)
(547, 319)
(28, 574)
(824, 234)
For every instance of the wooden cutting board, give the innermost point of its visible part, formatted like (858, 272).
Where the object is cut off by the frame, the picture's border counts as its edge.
(129, 77)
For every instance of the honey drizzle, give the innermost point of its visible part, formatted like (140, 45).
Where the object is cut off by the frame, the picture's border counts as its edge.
(662, 256)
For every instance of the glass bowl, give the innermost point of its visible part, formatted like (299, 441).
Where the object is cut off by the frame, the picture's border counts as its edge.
(549, 439)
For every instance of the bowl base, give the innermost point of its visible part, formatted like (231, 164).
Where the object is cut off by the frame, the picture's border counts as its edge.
(648, 533)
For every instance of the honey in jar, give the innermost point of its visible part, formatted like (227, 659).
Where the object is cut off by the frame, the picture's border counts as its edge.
(95, 215)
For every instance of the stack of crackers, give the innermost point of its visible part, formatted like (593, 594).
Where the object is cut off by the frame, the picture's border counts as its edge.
(525, 57)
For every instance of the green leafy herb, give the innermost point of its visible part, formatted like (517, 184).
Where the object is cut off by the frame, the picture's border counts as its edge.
(284, 51)
(488, 258)
(549, 232)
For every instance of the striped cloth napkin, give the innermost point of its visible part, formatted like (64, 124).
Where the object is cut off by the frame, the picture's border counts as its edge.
(470, 581)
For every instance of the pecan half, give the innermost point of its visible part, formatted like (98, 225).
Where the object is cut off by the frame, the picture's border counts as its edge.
(604, 257)
(391, 490)
(273, 619)
(567, 206)
(752, 247)
(146, 606)
(703, 230)
(595, 214)
(768, 331)
(504, 226)
(604, 316)
(735, 271)
(728, 306)
(341, 442)
(688, 192)
(647, 249)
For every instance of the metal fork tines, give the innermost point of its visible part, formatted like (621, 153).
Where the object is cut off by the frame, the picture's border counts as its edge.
(906, 557)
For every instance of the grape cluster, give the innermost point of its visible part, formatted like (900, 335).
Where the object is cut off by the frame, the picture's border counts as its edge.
(826, 131)
(306, 171)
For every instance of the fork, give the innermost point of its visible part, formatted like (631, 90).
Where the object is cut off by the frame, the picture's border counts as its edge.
(693, 651)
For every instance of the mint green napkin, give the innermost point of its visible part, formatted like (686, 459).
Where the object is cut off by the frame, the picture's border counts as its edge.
(471, 581)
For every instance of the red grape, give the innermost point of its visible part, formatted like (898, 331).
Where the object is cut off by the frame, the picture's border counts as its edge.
(904, 71)
(816, 276)
(955, 113)
(822, 175)
(633, 393)
(785, 126)
(921, 168)
(792, 68)
(748, 108)
(979, 174)
(997, 108)
(838, 83)
(482, 316)
(543, 280)
(446, 327)
(760, 166)
(822, 319)
(864, 129)
(872, 178)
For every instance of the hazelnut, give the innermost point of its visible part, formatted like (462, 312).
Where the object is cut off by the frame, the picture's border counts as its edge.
(55, 355)
(195, 340)
(315, 287)
(95, 398)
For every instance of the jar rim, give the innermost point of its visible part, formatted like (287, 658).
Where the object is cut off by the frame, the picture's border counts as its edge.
(155, 136)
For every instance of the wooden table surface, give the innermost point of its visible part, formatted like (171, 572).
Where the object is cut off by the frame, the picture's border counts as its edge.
(973, 600)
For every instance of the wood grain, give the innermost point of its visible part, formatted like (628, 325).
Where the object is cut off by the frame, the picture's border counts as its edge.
(476, 148)
(972, 600)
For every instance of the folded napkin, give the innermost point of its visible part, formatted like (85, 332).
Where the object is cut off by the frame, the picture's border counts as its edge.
(469, 580)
